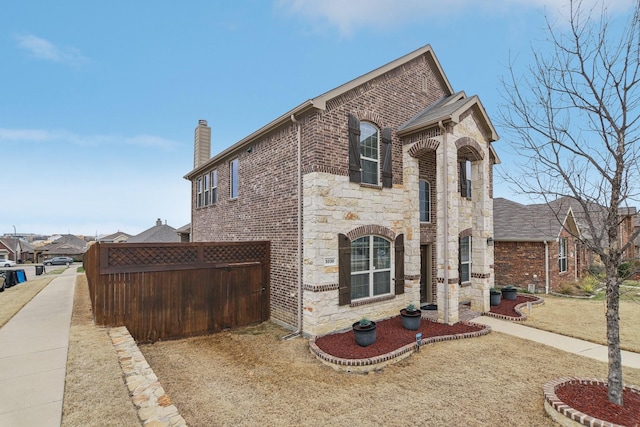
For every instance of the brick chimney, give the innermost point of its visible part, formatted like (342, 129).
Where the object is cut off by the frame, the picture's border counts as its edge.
(158, 222)
(201, 144)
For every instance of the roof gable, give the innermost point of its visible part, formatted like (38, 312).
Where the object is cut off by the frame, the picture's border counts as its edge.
(320, 102)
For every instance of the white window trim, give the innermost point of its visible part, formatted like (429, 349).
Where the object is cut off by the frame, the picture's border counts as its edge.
(428, 192)
(232, 181)
(206, 186)
(214, 186)
(562, 255)
(470, 262)
(369, 159)
(370, 272)
(199, 192)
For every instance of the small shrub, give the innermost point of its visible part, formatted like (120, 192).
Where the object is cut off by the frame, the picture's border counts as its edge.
(589, 283)
(624, 270)
(568, 288)
(364, 322)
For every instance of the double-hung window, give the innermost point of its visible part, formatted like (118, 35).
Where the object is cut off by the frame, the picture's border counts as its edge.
(465, 259)
(562, 255)
(206, 189)
(465, 179)
(233, 178)
(370, 267)
(199, 193)
(369, 153)
(425, 201)
(214, 186)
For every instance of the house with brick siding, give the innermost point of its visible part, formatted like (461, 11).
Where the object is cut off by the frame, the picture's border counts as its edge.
(374, 195)
(538, 244)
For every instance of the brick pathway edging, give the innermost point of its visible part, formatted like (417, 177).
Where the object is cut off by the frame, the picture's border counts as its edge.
(378, 362)
(152, 403)
(564, 414)
(535, 300)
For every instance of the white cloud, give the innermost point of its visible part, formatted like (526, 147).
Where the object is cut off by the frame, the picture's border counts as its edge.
(41, 135)
(43, 49)
(353, 15)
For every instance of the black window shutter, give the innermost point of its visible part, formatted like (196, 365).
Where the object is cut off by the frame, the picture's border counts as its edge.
(344, 270)
(399, 273)
(463, 179)
(387, 173)
(355, 174)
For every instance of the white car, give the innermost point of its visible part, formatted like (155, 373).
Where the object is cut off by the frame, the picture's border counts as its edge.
(7, 263)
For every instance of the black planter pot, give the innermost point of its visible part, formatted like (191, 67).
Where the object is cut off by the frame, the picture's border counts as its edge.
(509, 293)
(411, 319)
(495, 297)
(365, 335)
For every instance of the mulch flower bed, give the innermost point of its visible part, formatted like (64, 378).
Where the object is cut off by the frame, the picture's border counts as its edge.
(508, 307)
(591, 399)
(390, 336)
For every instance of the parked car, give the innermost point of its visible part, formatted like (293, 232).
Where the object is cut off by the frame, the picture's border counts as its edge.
(59, 260)
(7, 263)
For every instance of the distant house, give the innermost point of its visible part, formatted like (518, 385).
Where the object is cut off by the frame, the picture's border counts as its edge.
(157, 234)
(374, 195)
(64, 245)
(15, 249)
(185, 233)
(536, 244)
(118, 237)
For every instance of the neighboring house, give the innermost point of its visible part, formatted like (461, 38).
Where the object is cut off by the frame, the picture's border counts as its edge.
(374, 195)
(64, 245)
(157, 234)
(185, 233)
(15, 249)
(118, 237)
(538, 243)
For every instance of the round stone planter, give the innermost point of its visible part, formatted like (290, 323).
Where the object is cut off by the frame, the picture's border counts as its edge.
(411, 319)
(365, 335)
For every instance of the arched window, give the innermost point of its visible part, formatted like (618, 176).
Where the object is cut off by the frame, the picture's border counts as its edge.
(425, 201)
(370, 267)
(369, 153)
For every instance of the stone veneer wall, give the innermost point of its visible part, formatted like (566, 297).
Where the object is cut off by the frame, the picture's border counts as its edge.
(340, 207)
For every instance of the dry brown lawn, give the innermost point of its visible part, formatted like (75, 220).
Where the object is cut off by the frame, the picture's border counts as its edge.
(585, 319)
(252, 377)
(94, 393)
(14, 298)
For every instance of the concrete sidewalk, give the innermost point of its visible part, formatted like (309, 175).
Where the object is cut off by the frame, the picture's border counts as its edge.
(33, 356)
(572, 345)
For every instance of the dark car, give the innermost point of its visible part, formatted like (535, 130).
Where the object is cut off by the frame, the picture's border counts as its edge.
(59, 260)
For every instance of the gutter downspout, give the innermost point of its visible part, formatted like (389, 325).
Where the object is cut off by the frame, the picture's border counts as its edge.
(299, 242)
(445, 222)
(546, 267)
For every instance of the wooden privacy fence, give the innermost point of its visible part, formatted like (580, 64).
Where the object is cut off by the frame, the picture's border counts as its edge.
(173, 290)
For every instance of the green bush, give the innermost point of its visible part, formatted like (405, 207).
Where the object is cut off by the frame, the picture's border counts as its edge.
(589, 283)
(624, 270)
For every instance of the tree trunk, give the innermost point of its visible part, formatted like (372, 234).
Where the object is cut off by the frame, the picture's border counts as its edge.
(615, 384)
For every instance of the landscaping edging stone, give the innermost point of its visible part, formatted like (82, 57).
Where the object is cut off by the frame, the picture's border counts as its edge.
(153, 405)
(536, 300)
(378, 362)
(565, 415)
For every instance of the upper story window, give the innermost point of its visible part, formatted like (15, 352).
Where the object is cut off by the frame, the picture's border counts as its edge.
(369, 154)
(199, 193)
(465, 179)
(562, 255)
(214, 186)
(206, 189)
(425, 201)
(233, 178)
(465, 259)
(370, 267)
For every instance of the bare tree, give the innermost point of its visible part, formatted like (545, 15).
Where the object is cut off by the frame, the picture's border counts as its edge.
(574, 119)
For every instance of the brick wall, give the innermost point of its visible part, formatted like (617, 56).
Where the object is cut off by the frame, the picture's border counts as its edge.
(516, 263)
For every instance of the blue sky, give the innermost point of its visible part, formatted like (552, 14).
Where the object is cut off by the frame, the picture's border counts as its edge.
(99, 100)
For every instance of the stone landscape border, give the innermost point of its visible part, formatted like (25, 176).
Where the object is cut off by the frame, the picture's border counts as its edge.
(378, 362)
(153, 405)
(564, 414)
